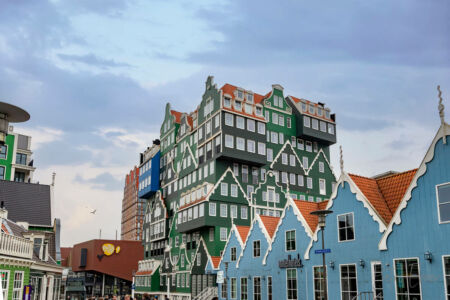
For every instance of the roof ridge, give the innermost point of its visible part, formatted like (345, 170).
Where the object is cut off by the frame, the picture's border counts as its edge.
(396, 174)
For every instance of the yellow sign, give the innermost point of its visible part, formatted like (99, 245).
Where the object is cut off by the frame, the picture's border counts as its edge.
(108, 250)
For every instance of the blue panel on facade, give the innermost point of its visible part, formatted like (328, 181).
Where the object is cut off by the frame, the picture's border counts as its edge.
(149, 177)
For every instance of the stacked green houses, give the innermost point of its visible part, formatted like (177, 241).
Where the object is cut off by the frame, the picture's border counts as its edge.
(214, 168)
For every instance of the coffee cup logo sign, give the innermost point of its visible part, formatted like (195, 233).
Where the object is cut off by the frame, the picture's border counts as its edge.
(108, 250)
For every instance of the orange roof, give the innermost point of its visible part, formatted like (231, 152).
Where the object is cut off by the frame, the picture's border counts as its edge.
(270, 223)
(306, 207)
(385, 193)
(297, 100)
(243, 232)
(190, 122)
(257, 98)
(144, 273)
(215, 261)
(177, 115)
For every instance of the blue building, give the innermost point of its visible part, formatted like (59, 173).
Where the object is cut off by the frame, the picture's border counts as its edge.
(149, 171)
(389, 237)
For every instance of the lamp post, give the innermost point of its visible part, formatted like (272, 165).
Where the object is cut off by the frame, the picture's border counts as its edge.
(321, 214)
(10, 114)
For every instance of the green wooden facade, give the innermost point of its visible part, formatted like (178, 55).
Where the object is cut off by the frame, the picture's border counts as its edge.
(222, 166)
(6, 157)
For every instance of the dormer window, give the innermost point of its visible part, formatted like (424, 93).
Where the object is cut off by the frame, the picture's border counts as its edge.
(320, 111)
(227, 102)
(248, 109)
(304, 107)
(238, 105)
(250, 98)
(240, 94)
(312, 109)
(259, 111)
(327, 114)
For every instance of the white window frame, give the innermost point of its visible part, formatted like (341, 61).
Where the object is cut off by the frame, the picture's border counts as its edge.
(438, 204)
(395, 276)
(223, 210)
(234, 190)
(224, 189)
(324, 191)
(337, 226)
(212, 209)
(229, 143)
(6, 290)
(296, 279)
(340, 277)
(222, 230)
(326, 279)
(372, 265)
(229, 118)
(244, 216)
(238, 141)
(447, 292)
(285, 240)
(240, 122)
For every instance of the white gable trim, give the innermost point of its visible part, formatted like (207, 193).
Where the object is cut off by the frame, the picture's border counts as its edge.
(282, 150)
(326, 159)
(396, 219)
(228, 170)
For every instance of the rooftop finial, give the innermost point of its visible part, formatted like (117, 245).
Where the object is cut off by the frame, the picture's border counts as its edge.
(441, 108)
(341, 160)
(53, 178)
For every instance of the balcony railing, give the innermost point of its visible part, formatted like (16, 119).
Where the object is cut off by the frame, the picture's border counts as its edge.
(11, 245)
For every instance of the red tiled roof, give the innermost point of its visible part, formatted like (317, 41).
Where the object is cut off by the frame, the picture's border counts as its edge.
(257, 98)
(190, 121)
(243, 232)
(297, 100)
(385, 193)
(215, 261)
(177, 115)
(270, 223)
(306, 207)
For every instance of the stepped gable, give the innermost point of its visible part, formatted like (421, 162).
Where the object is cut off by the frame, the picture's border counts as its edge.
(306, 207)
(385, 193)
(270, 223)
(243, 232)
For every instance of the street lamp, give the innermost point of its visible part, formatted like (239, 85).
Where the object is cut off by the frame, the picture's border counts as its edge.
(10, 113)
(321, 214)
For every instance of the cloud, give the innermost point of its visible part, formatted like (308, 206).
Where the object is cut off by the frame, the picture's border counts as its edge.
(104, 181)
(92, 60)
(41, 135)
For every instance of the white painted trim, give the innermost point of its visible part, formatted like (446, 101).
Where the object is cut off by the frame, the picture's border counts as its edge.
(372, 270)
(228, 170)
(285, 239)
(395, 276)
(314, 285)
(438, 205)
(7, 284)
(296, 279)
(288, 142)
(396, 219)
(447, 292)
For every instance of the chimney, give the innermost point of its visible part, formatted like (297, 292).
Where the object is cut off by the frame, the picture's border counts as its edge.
(3, 211)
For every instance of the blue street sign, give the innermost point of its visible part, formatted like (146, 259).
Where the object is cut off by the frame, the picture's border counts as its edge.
(320, 251)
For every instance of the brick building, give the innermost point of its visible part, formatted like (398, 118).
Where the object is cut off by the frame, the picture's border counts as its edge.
(132, 208)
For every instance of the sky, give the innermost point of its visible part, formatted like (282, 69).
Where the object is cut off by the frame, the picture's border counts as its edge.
(95, 76)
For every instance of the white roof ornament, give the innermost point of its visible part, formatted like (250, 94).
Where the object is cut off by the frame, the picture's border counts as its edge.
(441, 108)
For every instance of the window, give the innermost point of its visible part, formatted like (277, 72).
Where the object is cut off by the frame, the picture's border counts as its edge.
(240, 122)
(407, 278)
(349, 288)
(321, 167)
(211, 233)
(284, 177)
(229, 141)
(291, 275)
(258, 111)
(238, 105)
(315, 146)
(322, 186)
(256, 248)
(330, 128)
(290, 240)
(3, 151)
(244, 173)
(261, 148)
(212, 209)
(269, 288)
(292, 178)
(256, 288)
(284, 158)
(269, 154)
(244, 212)
(443, 195)
(251, 125)
(223, 210)
(305, 162)
(2, 173)
(248, 109)
(224, 189)
(217, 121)
(251, 146)
(292, 160)
(309, 182)
(261, 128)
(244, 288)
(275, 118)
(233, 211)
(21, 159)
(240, 143)
(208, 127)
(308, 146)
(228, 120)
(281, 120)
(281, 137)
(323, 126)
(345, 227)
(223, 234)
(377, 280)
(236, 169)
(224, 288)
(218, 140)
(234, 190)
(307, 121)
(233, 254)
(233, 288)
(447, 275)
(315, 124)
(5, 281)
(300, 144)
(318, 283)
(274, 137)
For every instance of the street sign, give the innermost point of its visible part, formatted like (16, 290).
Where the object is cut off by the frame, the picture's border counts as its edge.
(219, 277)
(133, 286)
(320, 251)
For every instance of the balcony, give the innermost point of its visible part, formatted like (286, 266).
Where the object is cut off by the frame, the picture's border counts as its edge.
(11, 245)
